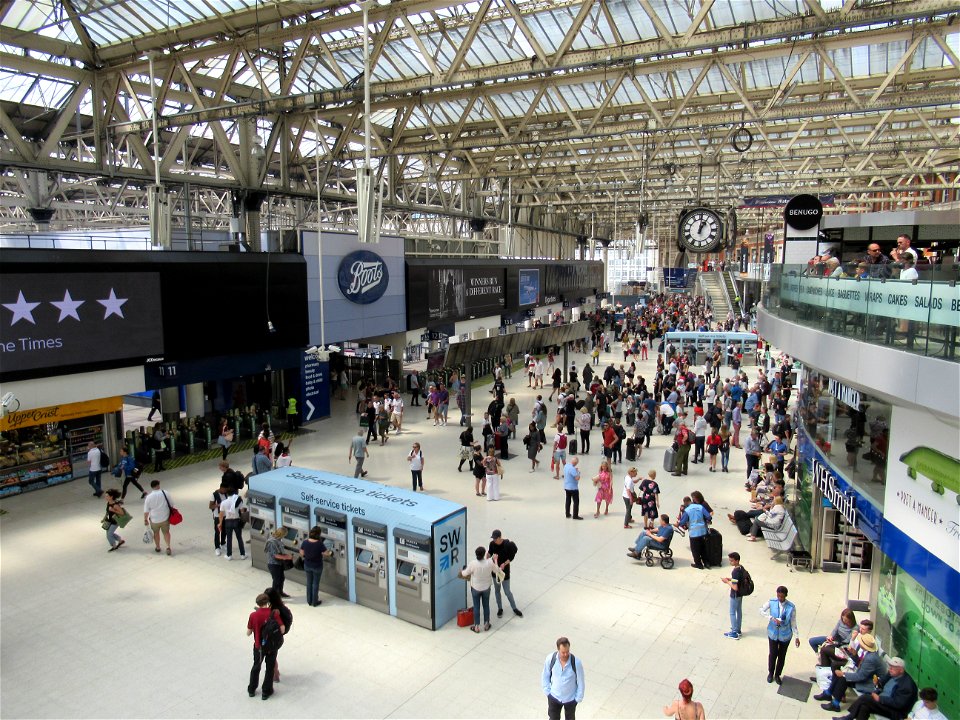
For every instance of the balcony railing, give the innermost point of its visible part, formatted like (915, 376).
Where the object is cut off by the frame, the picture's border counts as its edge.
(917, 316)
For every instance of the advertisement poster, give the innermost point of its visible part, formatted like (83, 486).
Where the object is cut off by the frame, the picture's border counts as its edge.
(924, 632)
(455, 293)
(923, 455)
(52, 320)
(529, 287)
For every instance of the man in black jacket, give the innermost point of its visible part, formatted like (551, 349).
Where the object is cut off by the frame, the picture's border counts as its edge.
(896, 693)
(505, 551)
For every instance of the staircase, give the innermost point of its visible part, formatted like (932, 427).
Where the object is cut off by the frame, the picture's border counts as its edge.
(732, 292)
(712, 283)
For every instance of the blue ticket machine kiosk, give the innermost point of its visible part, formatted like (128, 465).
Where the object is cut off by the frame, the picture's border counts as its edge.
(295, 519)
(263, 521)
(394, 550)
(370, 565)
(413, 555)
(333, 529)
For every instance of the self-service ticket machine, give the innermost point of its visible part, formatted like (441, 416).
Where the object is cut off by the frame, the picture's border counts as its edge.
(412, 555)
(333, 529)
(295, 519)
(370, 565)
(263, 521)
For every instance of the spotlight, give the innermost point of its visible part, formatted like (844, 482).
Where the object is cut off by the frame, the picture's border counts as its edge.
(270, 327)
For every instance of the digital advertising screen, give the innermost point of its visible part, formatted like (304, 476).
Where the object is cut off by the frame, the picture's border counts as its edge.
(461, 292)
(528, 287)
(58, 319)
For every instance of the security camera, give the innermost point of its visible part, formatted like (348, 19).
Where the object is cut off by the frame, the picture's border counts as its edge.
(313, 350)
(8, 399)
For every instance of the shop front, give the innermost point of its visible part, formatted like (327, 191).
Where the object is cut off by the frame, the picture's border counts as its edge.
(48, 446)
(918, 607)
(842, 439)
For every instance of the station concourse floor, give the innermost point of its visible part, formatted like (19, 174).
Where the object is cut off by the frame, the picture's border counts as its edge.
(131, 634)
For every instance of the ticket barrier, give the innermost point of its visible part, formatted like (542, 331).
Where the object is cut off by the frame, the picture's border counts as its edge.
(370, 565)
(263, 521)
(333, 529)
(412, 554)
(295, 519)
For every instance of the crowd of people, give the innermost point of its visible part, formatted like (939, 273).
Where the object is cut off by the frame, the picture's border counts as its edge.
(601, 417)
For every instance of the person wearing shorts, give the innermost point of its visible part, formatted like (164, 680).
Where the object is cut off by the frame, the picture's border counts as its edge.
(156, 514)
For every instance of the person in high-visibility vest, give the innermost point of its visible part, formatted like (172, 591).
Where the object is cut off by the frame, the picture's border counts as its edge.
(293, 417)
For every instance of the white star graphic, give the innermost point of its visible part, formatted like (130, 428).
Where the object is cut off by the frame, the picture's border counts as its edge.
(22, 310)
(67, 307)
(112, 305)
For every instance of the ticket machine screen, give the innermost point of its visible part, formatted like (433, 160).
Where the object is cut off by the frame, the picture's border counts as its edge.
(365, 557)
(292, 534)
(256, 524)
(405, 568)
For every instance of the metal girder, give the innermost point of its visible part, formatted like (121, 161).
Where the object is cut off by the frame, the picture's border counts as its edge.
(589, 65)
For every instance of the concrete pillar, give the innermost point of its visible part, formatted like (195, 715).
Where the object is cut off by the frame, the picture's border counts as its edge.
(170, 404)
(195, 400)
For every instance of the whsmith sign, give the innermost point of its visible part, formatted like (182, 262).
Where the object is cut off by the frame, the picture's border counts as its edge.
(844, 502)
(363, 277)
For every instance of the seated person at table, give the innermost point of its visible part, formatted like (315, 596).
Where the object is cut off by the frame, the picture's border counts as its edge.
(658, 539)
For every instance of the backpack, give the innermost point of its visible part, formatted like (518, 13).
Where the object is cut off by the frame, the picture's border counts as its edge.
(243, 512)
(621, 433)
(104, 459)
(271, 638)
(562, 442)
(746, 584)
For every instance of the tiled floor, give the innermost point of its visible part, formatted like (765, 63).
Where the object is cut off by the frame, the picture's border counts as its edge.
(134, 634)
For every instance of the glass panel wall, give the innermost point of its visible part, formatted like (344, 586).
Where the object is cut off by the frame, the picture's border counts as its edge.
(851, 428)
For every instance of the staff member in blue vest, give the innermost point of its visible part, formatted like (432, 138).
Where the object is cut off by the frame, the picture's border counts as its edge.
(781, 626)
(695, 518)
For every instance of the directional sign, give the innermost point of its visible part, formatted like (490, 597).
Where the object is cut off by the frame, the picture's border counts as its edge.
(315, 384)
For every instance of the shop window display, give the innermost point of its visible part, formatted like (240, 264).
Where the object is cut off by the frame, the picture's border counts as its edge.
(852, 431)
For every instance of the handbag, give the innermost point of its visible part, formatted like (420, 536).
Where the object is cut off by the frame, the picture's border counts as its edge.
(287, 564)
(123, 519)
(105, 524)
(175, 517)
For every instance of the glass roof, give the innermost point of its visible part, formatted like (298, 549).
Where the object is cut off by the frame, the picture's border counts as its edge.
(110, 22)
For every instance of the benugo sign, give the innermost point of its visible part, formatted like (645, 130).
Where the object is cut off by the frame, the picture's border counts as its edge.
(59, 413)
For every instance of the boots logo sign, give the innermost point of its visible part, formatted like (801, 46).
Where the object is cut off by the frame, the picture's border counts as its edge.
(363, 277)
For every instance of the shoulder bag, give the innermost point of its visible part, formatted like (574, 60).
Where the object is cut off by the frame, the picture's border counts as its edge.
(175, 517)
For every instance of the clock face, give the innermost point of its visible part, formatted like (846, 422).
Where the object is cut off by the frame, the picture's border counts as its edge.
(701, 230)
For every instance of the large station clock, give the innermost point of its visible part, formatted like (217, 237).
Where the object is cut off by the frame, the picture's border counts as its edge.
(700, 230)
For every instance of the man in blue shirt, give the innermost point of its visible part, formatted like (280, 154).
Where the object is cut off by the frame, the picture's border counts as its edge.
(562, 682)
(658, 539)
(571, 487)
(778, 447)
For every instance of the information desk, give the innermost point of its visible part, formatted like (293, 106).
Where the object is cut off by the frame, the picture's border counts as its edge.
(390, 543)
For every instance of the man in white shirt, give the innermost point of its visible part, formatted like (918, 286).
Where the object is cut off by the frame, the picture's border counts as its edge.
(538, 374)
(396, 414)
(531, 369)
(230, 524)
(903, 250)
(156, 514)
(629, 496)
(95, 470)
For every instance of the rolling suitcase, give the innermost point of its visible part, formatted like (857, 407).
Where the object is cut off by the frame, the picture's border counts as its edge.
(669, 458)
(572, 446)
(631, 450)
(714, 551)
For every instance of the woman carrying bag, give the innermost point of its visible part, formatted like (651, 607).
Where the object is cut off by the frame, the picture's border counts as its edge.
(115, 517)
